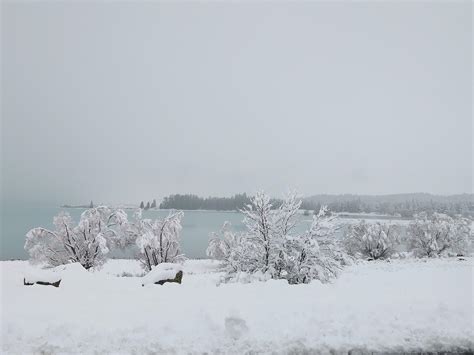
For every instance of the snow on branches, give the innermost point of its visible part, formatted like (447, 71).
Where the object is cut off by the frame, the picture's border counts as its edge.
(438, 234)
(315, 254)
(226, 245)
(371, 240)
(272, 246)
(100, 229)
(87, 242)
(158, 241)
(260, 222)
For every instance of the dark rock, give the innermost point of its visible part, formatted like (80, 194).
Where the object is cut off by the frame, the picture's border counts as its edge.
(55, 284)
(177, 279)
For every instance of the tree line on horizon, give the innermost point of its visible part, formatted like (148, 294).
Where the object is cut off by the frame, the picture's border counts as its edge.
(194, 202)
(403, 205)
(148, 205)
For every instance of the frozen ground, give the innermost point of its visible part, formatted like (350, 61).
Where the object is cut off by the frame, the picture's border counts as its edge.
(404, 305)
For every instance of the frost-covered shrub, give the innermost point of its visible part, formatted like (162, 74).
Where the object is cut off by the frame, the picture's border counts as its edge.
(315, 254)
(271, 247)
(227, 246)
(158, 241)
(87, 242)
(222, 242)
(260, 222)
(235, 250)
(438, 234)
(371, 240)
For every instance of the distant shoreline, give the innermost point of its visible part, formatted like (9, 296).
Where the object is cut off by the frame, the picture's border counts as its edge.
(346, 215)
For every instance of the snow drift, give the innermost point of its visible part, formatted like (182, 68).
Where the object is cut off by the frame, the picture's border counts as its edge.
(403, 305)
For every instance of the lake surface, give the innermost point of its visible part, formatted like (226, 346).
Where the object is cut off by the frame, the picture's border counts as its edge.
(197, 227)
(195, 235)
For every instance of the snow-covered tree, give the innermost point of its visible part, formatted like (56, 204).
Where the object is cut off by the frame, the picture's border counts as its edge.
(221, 243)
(233, 249)
(371, 240)
(259, 248)
(87, 242)
(437, 234)
(286, 219)
(315, 254)
(271, 245)
(324, 228)
(286, 216)
(262, 231)
(158, 241)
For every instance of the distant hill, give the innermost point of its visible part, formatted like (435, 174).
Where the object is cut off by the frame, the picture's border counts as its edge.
(404, 205)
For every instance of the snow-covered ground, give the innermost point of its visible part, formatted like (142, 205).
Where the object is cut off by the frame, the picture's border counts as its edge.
(403, 305)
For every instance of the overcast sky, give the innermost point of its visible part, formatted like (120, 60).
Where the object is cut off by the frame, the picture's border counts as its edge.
(122, 102)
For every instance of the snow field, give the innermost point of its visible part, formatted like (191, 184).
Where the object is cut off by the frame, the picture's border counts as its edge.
(403, 305)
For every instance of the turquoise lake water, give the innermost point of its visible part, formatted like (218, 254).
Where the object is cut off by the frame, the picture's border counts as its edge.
(197, 227)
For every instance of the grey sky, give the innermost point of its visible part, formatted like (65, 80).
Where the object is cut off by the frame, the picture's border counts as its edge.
(120, 102)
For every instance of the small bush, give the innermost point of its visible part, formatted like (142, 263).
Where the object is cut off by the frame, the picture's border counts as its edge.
(439, 234)
(371, 240)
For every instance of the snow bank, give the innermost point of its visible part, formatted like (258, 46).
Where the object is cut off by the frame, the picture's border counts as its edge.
(161, 272)
(75, 274)
(123, 268)
(32, 275)
(401, 306)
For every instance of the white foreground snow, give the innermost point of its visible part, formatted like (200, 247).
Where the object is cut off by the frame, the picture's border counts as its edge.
(404, 305)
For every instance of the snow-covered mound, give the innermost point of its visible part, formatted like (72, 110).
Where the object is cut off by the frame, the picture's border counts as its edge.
(122, 267)
(401, 306)
(161, 272)
(33, 275)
